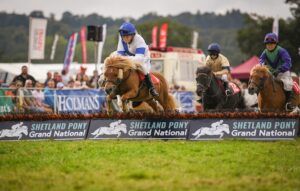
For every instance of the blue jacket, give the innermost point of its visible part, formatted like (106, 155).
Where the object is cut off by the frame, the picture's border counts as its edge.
(279, 59)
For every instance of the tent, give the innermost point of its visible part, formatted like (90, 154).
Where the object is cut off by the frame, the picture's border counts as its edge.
(242, 71)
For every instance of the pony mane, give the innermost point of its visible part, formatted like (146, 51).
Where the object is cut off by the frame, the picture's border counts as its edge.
(121, 62)
(258, 69)
(203, 69)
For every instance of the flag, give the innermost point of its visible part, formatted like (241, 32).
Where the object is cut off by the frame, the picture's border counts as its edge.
(70, 51)
(37, 36)
(101, 43)
(163, 36)
(83, 44)
(56, 37)
(195, 40)
(275, 27)
(154, 37)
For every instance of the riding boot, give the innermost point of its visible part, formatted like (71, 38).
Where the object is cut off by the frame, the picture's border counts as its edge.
(228, 91)
(289, 100)
(150, 86)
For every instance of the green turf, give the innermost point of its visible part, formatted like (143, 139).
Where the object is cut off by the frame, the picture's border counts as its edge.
(150, 165)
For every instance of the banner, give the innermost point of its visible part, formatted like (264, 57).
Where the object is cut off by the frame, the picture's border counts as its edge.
(83, 44)
(195, 40)
(163, 36)
(37, 37)
(138, 129)
(70, 51)
(79, 101)
(54, 129)
(185, 100)
(56, 37)
(256, 129)
(101, 44)
(275, 27)
(154, 37)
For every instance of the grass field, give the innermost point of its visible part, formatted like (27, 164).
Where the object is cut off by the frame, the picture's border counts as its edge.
(150, 165)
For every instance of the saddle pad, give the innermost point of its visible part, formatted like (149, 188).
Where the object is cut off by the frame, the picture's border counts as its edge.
(154, 79)
(235, 89)
(296, 88)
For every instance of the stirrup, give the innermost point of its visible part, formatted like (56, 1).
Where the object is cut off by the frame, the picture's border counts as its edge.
(289, 106)
(228, 92)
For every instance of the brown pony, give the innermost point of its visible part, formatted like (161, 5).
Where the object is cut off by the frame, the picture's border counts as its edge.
(122, 78)
(271, 96)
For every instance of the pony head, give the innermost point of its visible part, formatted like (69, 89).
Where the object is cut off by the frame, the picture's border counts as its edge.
(203, 79)
(258, 76)
(114, 68)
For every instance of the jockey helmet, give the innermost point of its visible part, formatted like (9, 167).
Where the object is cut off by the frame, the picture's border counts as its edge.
(271, 38)
(127, 28)
(214, 48)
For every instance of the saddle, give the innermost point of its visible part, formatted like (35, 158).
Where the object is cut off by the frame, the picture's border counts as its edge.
(296, 88)
(154, 79)
(233, 87)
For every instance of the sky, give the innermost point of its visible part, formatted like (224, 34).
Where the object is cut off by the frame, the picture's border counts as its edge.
(136, 8)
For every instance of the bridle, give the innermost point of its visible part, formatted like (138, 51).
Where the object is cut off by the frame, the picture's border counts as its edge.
(118, 81)
(259, 85)
(209, 77)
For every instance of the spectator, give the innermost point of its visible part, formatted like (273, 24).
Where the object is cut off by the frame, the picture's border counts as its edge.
(65, 77)
(24, 76)
(77, 85)
(57, 78)
(49, 93)
(39, 96)
(49, 77)
(60, 85)
(29, 102)
(71, 84)
(94, 80)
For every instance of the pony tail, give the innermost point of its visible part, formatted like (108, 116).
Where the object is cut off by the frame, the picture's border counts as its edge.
(170, 104)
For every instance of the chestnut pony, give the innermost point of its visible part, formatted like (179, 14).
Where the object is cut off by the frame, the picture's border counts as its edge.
(270, 91)
(121, 77)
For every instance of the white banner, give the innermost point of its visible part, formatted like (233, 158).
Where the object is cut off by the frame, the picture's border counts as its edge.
(275, 27)
(56, 37)
(37, 36)
(195, 40)
(100, 46)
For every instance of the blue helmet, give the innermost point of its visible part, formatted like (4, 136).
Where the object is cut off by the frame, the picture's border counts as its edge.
(127, 29)
(271, 38)
(214, 47)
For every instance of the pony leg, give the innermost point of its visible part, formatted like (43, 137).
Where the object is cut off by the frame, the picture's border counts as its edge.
(153, 104)
(125, 106)
(130, 94)
(109, 105)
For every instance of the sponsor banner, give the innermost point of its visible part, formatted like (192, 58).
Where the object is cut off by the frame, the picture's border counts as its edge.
(260, 129)
(83, 44)
(54, 129)
(185, 100)
(138, 129)
(163, 36)
(154, 37)
(70, 51)
(195, 40)
(80, 101)
(37, 36)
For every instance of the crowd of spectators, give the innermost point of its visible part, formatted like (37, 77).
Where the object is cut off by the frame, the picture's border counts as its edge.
(26, 94)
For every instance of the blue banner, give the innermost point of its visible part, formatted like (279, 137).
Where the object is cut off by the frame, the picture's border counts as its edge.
(76, 101)
(185, 100)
